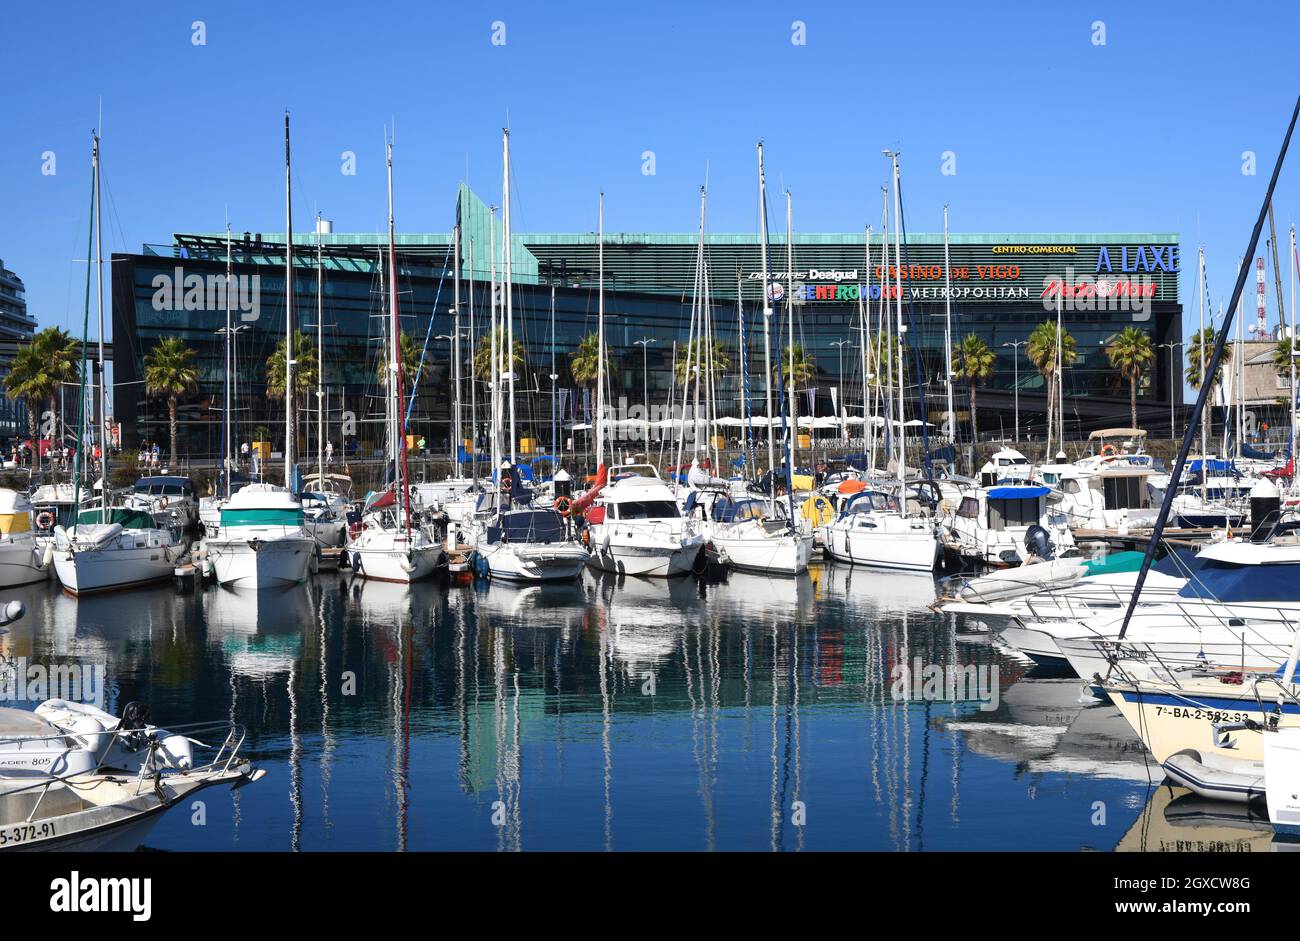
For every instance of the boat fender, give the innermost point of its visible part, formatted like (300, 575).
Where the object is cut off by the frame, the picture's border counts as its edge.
(408, 563)
(48, 555)
(176, 752)
(91, 732)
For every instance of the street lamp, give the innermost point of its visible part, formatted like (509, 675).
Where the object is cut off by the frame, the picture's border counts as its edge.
(1172, 375)
(841, 344)
(644, 343)
(1015, 382)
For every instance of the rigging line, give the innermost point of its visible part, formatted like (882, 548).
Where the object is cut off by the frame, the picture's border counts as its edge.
(1189, 435)
(428, 331)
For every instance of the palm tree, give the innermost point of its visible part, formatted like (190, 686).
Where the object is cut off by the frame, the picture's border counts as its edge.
(1202, 344)
(718, 356)
(483, 354)
(59, 355)
(411, 368)
(22, 383)
(972, 362)
(304, 373)
(1041, 349)
(1130, 352)
(797, 367)
(584, 362)
(1282, 357)
(170, 373)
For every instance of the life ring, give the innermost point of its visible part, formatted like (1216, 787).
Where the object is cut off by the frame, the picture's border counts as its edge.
(44, 519)
(562, 505)
(1109, 450)
(506, 483)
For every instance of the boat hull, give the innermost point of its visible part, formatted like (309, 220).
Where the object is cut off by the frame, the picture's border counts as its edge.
(83, 571)
(905, 551)
(649, 560)
(777, 555)
(387, 564)
(20, 563)
(261, 563)
(542, 563)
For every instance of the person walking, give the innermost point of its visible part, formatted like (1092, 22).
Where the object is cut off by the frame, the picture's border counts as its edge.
(329, 452)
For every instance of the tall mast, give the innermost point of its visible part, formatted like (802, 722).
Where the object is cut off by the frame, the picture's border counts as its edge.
(473, 360)
(947, 328)
(455, 360)
(1060, 377)
(320, 359)
(395, 391)
(226, 429)
(1200, 312)
(103, 382)
(509, 314)
(289, 350)
(767, 316)
(495, 407)
(600, 329)
(864, 329)
(898, 309)
(1293, 352)
(789, 320)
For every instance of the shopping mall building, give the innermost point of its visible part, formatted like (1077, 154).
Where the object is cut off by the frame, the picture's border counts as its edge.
(1003, 285)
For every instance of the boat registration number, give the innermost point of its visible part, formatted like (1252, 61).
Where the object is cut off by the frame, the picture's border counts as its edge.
(1205, 715)
(26, 831)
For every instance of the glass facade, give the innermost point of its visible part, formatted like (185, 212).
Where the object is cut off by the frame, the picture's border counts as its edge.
(1003, 286)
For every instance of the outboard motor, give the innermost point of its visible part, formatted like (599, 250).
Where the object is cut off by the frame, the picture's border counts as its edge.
(1039, 543)
(1265, 510)
(135, 715)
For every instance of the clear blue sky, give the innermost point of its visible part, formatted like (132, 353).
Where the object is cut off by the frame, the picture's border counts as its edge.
(1051, 132)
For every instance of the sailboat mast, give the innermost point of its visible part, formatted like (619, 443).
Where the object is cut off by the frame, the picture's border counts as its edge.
(864, 329)
(455, 359)
(1200, 312)
(103, 380)
(767, 316)
(395, 359)
(898, 310)
(510, 320)
(495, 408)
(226, 430)
(320, 359)
(1292, 348)
(289, 350)
(793, 432)
(600, 328)
(473, 367)
(947, 329)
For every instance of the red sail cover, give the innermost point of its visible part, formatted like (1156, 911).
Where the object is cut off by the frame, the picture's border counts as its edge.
(602, 477)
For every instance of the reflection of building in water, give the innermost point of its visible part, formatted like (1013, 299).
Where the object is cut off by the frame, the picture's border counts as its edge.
(1175, 820)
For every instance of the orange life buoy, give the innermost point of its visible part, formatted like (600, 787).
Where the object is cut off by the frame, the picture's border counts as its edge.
(44, 519)
(562, 505)
(506, 483)
(1108, 450)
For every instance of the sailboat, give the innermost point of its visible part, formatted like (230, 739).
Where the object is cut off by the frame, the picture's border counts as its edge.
(634, 525)
(260, 540)
(23, 559)
(389, 546)
(751, 535)
(107, 547)
(879, 527)
(522, 542)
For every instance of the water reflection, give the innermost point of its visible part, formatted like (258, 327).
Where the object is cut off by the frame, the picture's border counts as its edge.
(751, 713)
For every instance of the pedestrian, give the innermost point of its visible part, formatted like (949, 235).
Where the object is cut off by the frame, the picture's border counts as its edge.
(329, 452)
(157, 452)
(243, 454)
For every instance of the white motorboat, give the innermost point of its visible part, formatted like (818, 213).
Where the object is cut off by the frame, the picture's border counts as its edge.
(635, 526)
(169, 499)
(260, 540)
(989, 526)
(531, 545)
(73, 777)
(872, 530)
(114, 548)
(23, 559)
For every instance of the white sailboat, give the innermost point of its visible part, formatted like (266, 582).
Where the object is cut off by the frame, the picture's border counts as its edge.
(260, 539)
(23, 559)
(108, 548)
(389, 546)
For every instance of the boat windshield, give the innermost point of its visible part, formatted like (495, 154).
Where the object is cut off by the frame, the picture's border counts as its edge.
(872, 501)
(528, 526)
(648, 510)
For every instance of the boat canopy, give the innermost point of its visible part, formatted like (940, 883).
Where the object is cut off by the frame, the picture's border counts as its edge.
(123, 516)
(869, 501)
(528, 526)
(1117, 433)
(1230, 582)
(165, 486)
(1018, 493)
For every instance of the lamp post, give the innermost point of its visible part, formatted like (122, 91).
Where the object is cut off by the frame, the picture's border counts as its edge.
(1015, 382)
(1173, 373)
(840, 344)
(644, 343)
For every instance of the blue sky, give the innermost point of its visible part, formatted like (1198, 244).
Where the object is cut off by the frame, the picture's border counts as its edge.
(1051, 132)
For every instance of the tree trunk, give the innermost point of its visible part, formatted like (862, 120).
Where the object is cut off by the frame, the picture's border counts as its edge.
(171, 424)
(974, 415)
(54, 417)
(1133, 400)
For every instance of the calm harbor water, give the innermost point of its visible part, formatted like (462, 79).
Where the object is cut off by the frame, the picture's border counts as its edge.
(753, 714)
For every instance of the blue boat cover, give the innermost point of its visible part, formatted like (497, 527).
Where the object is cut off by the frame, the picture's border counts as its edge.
(1018, 493)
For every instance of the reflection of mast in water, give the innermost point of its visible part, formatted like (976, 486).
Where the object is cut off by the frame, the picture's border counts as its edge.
(235, 796)
(326, 736)
(958, 745)
(295, 759)
(775, 798)
(400, 691)
(704, 751)
(507, 742)
(462, 708)
(605, 668)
